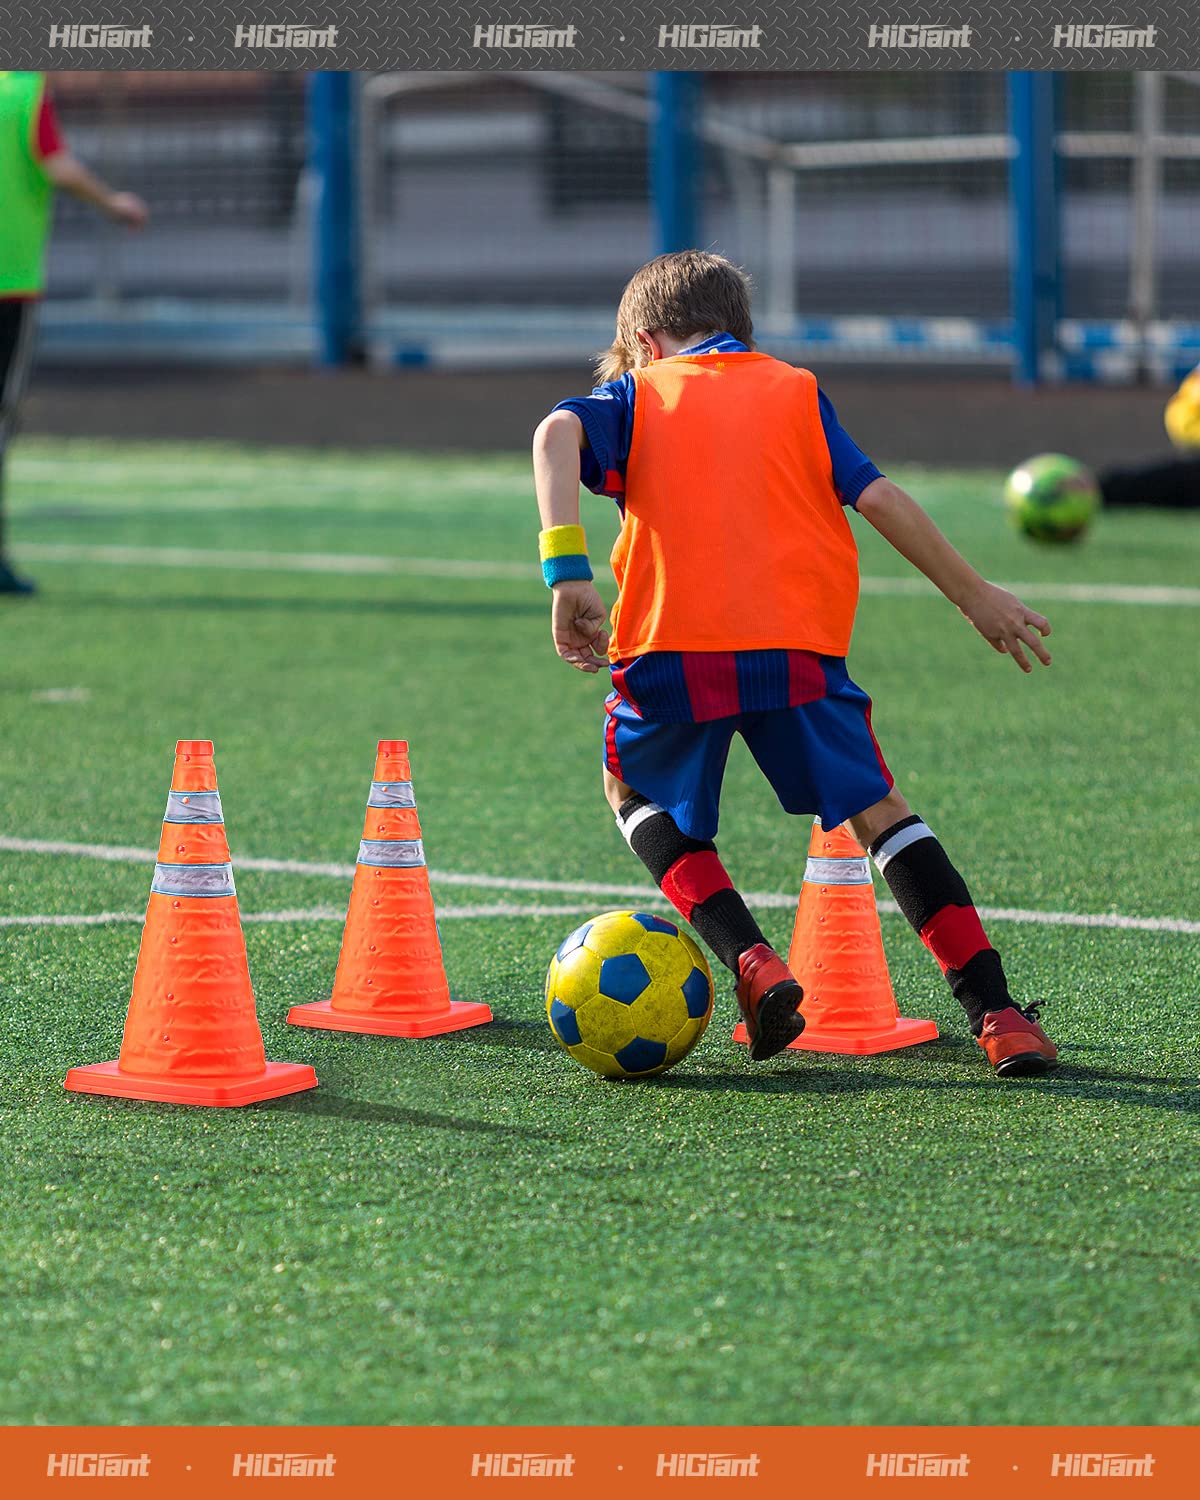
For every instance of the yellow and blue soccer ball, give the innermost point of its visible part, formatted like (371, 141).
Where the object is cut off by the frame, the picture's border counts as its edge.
(628, 995)
(1052, 498)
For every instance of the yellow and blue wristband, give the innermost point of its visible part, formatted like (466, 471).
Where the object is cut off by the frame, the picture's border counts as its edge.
(563, 551)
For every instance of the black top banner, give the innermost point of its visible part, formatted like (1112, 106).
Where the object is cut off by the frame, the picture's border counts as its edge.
(624, 35)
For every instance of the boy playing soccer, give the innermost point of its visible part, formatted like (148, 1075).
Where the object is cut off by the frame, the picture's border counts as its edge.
(737, 580)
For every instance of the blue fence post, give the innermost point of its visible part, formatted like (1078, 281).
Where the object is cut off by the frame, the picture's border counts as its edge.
(332, 159)
(1033, 194)
(675, 179)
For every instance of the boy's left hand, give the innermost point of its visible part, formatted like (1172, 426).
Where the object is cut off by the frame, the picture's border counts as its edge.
(577, 625)
(1007, 624)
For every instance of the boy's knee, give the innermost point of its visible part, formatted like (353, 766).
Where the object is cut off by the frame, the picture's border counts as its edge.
(868, 825)
(615, 791)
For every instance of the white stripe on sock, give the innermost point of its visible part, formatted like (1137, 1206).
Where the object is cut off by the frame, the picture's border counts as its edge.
(635, 820)
(898, 841)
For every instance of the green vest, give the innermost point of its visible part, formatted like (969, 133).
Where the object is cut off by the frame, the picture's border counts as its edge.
(25, 190)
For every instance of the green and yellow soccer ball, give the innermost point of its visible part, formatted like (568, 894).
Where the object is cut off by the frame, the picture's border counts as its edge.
(628, 995)
(1052, 498)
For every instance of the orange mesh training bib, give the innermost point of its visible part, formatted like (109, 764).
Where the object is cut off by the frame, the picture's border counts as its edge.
(734, 538)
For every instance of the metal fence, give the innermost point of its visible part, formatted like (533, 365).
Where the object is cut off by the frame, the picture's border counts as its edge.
(873, 210)
(220, 159)
(534, 190)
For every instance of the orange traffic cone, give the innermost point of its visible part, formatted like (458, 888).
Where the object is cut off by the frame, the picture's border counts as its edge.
(390, 978)
(191, 1035)
(837, 956)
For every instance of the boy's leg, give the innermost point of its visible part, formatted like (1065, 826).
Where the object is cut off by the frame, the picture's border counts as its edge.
(688, 871)
(690, 874)
(935, 899)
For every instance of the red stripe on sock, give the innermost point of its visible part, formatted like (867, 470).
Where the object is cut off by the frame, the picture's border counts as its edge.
(692, 879)
(955, 936)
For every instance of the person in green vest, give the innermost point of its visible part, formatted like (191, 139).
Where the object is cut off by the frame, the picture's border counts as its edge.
(34, 162)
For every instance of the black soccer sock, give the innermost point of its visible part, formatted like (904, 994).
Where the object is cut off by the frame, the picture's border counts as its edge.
(934, 897)
(691, 877)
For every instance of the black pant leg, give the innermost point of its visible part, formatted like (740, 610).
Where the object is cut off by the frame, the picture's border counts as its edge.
(1173, 484)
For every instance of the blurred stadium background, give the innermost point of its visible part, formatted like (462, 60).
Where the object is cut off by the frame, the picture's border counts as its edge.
(1045, 224)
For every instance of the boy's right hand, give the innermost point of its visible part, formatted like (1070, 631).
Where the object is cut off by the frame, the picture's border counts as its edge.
(1006, 624)
(577, 626)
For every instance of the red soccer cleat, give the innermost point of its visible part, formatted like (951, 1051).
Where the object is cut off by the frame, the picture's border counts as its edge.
(1015, 1044)
(768, 998)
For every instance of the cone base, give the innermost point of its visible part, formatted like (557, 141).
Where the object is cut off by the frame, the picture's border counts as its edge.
(905, 1031)
(107, 1078)
(322, 1015)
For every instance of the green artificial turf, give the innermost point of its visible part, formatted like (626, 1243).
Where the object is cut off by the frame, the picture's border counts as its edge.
(473, 1229)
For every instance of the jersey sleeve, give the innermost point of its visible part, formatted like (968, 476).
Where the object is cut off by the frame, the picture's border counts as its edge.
(607, 418)
(1183, 414)
(47, 135)
(853, 471)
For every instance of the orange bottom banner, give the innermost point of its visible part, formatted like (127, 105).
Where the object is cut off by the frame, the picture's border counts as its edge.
(446, 1462)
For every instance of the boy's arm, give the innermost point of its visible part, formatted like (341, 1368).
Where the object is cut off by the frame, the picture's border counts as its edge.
(69, 174)
(577, 614)
(1000, 617)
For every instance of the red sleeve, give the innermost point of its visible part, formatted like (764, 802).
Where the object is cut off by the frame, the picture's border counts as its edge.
(48, 137)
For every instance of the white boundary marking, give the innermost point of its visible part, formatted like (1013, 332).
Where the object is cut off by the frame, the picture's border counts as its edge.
(61, 695)
(94, 919)
(279, 562)
(349, 563)
(123, 854)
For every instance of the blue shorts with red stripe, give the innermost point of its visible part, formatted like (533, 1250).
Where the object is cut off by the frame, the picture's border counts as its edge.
(820, 754)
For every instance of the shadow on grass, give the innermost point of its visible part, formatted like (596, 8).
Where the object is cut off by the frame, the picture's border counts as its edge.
(819, 1073)
(529, 1035)
(373, 1112)
(851, 1075)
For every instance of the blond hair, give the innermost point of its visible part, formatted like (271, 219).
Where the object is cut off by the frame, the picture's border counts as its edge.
(687, 292)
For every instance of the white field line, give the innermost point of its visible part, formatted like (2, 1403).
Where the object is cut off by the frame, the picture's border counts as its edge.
(782, 900)
(497, 909)
(1060, 593)
(278, 562)
(349, 563)
(61, 695)
(288, 482)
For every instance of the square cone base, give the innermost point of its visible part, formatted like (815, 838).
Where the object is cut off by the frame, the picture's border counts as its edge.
(324, 1017)
(904, 1032)
(107, 1078)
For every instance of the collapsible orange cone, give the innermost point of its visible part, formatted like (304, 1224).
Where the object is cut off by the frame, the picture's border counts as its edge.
(837, 956)
(390, 978)
(191, 1035)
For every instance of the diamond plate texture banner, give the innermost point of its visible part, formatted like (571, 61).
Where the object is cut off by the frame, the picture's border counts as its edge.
(624, 35)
